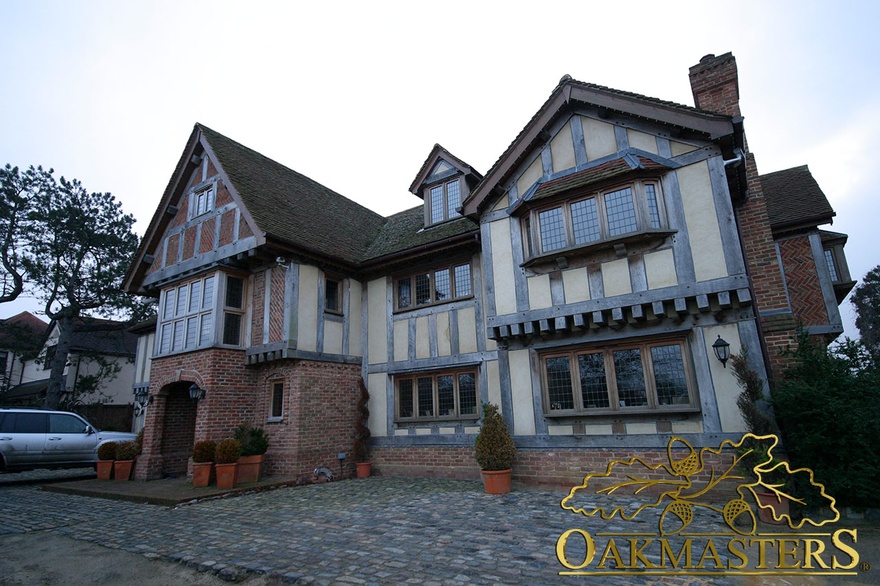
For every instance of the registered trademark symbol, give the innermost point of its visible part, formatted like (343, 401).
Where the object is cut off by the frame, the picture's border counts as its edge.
(864, 566)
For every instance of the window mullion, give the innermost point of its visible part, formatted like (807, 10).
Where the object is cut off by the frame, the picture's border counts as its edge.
(650, 383)
(435, 388)
(575, 374)
(611, 376)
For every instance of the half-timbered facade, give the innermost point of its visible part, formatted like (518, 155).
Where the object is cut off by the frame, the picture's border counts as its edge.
(580, 284)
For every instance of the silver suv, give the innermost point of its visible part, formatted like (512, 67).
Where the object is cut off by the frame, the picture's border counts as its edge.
(34, 438)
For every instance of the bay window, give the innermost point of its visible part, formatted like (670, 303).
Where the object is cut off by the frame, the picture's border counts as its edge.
(603, 215)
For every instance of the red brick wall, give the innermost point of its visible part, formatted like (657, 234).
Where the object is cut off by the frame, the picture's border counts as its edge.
(257, 305)
(207, 240)
(189, 243)
(227, 227)
(173, 249)
(807, 300)
(319, 413)
(276, 308)
(715, 86)
(223, 196)
(538, 467)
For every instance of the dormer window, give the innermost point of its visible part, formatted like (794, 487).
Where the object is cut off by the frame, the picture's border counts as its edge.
(445, 199)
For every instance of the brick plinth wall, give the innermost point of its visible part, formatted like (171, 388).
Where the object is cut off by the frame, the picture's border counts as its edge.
(552, 468)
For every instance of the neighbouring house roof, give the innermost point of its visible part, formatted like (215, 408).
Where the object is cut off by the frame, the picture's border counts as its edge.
(111, 342)
(25, 392)
(795, 200)
(292, 207)
(22, 330)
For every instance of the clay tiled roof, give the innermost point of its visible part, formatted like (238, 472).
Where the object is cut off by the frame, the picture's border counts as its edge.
(290, 206)
(406, 230)
(795, 200)
(602, 172)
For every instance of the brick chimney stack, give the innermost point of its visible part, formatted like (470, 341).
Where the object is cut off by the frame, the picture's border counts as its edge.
(715, 84)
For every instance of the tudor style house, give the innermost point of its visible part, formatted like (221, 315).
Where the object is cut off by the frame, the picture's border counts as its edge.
(580, 284)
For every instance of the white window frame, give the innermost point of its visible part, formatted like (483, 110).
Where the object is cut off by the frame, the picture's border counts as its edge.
(202, 200)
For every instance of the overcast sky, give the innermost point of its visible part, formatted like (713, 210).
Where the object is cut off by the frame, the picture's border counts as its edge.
(355, 94)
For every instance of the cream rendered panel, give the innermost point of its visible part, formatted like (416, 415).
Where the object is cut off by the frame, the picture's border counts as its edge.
(687, 427)
(726, 387)
(642, 141)
(307, 308)
(494, 382)
(576, 285)
(378, 405)
(562, 150)
(529, 177)
(598, 429)
(521, 391)
(377, 328)
(423, 338)
(641, 428)
(356, 324)
(401, 340)
(680, 148)
(503, 203)
(615, 277)
(539, 292)
(444, 345)
(660, 269)
(560, 429)
(467, 330)
(333, 336)
(702, 223)
(599, 138)
(502, 267)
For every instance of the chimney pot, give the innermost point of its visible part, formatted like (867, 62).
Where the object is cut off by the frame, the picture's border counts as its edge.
(707, 58)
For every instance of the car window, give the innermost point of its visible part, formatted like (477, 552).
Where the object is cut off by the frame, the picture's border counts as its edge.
(29, 423)
(3, 423)
(62, 423)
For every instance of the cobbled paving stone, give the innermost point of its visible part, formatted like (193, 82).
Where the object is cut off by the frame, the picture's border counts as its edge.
(374, 531)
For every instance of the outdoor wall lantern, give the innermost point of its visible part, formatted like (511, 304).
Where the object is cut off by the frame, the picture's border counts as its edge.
(196, 393)
(143, 397)
(722, 350)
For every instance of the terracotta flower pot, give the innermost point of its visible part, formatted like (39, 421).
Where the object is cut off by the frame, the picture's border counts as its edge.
(225, 475)
(364, 469)
(496, 481)
(249, 468)
(122, 469)
(202, 474)
(772, 508)
(105, 469)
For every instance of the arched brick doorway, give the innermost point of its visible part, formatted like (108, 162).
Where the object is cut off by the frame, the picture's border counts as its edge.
(178, 428)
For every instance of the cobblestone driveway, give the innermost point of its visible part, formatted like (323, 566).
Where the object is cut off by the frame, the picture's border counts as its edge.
(375, 531)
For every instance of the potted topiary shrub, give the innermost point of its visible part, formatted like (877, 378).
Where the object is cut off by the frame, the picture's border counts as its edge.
(203, 463)
(254, 444)
(361, 446)
(126, 452)
(226, 457)
(494, 450)
(106, 456)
